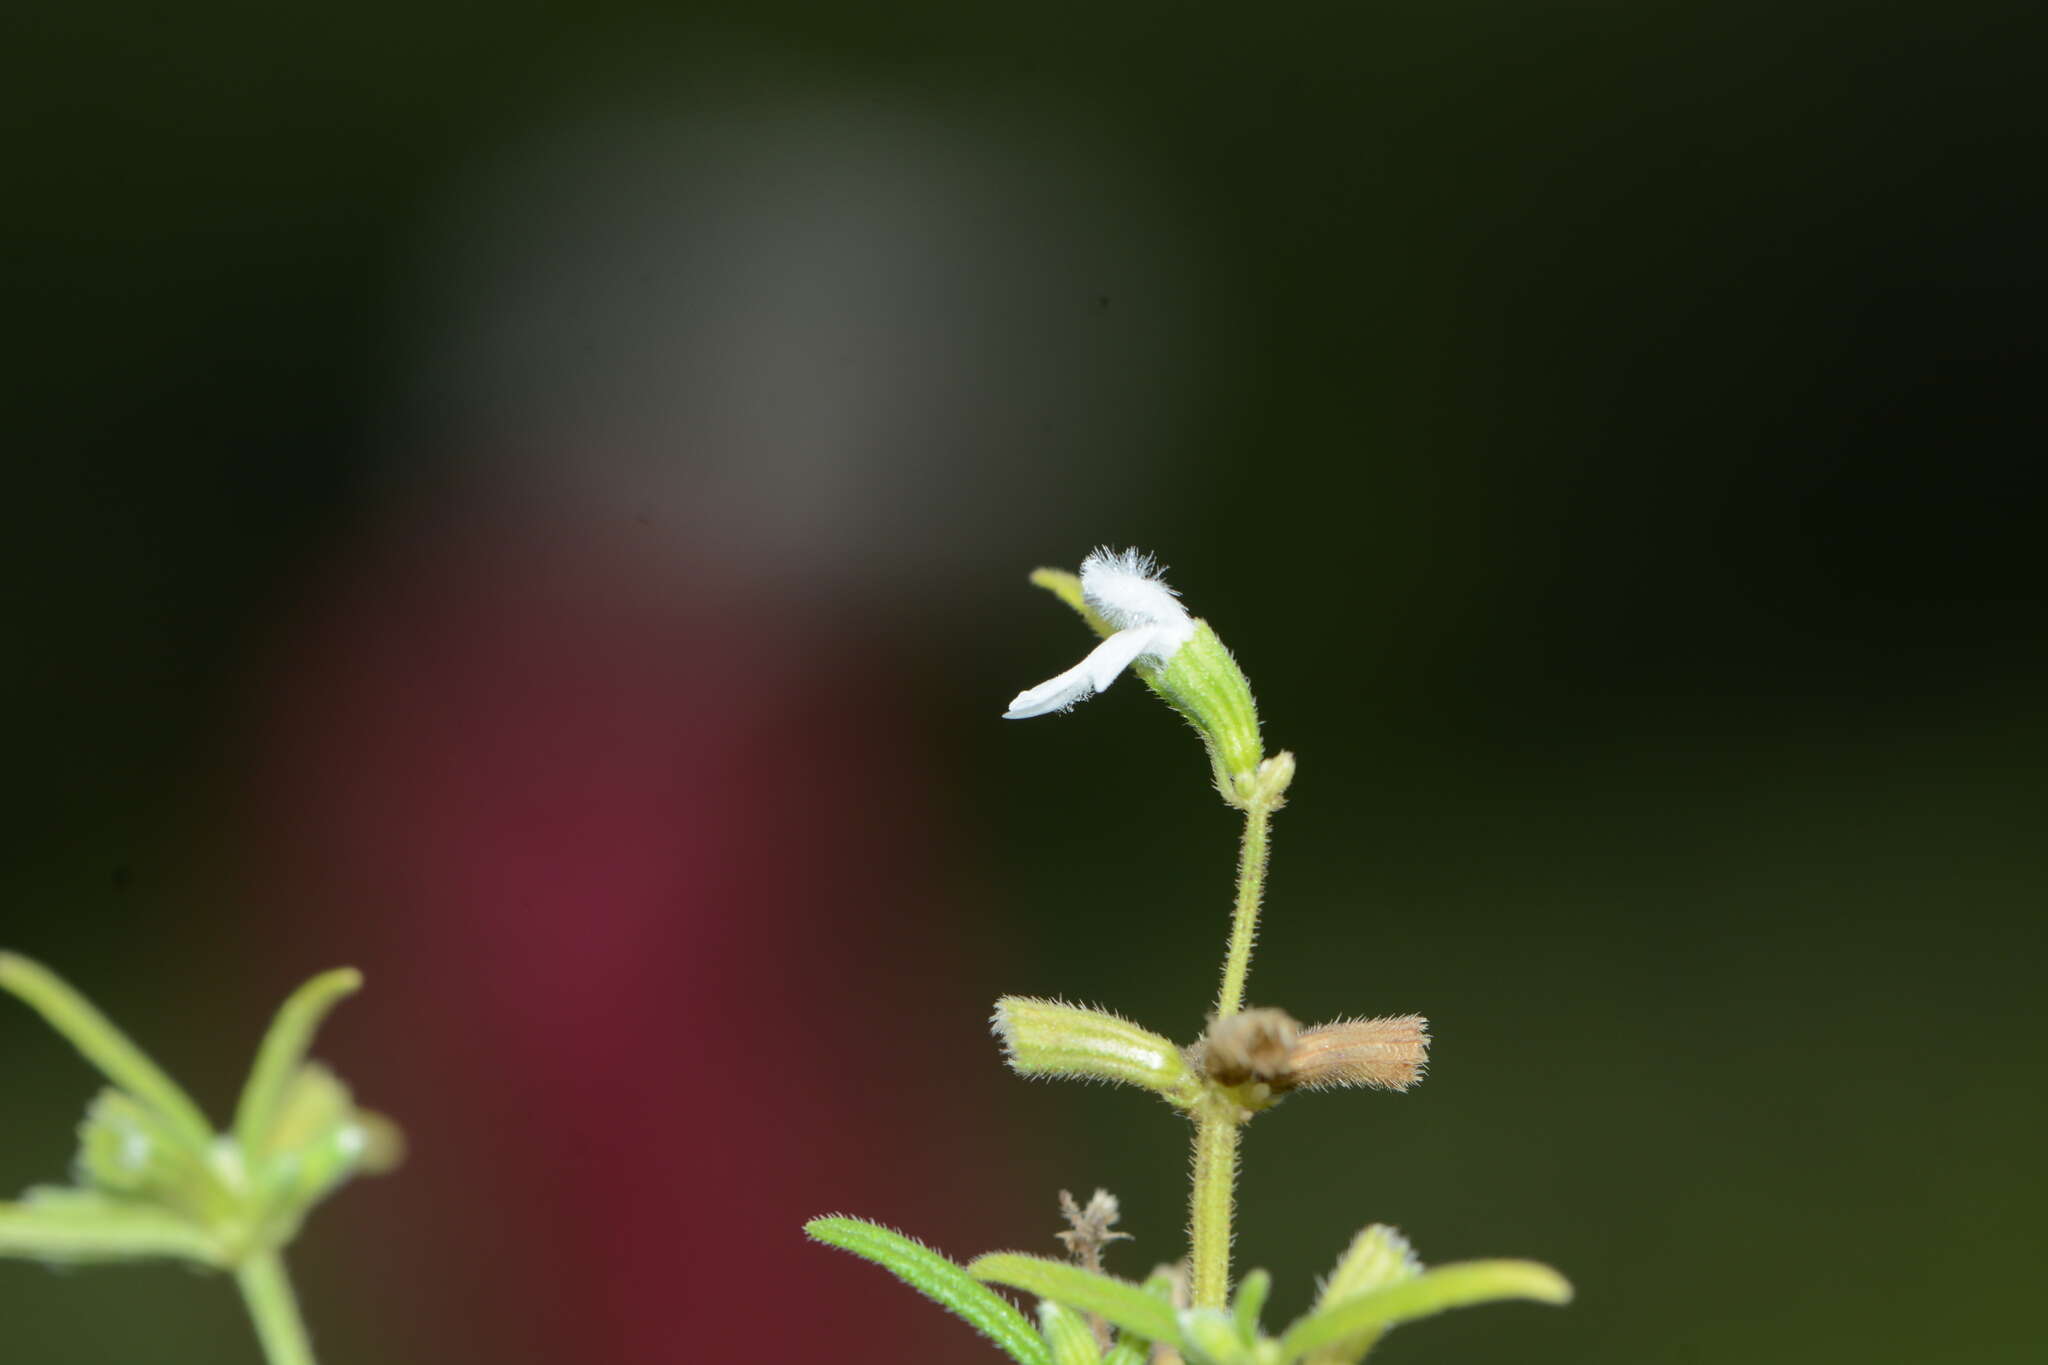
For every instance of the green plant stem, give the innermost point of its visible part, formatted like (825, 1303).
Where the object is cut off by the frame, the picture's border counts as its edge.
(1213, 1197)
(1244, 921)
(267, 1290)
(1215, 1190)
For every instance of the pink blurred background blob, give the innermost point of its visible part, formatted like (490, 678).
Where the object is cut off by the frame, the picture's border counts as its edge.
(585, 751)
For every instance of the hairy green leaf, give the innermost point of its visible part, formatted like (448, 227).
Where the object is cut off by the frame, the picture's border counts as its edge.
(942, 1281)
(1433, 1291)
(1120, 1302)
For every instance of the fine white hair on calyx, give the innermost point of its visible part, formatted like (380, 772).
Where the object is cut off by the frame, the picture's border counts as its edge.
(1125, 586)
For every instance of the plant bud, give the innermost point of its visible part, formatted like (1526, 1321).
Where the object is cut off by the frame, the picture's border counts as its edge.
(1254, 1045)
(1203, 682)
(125, 1149)
(1050, 1038)
(1122, 597)
(122, 1148)
(320, 1139)
(1386, 1054)
(1210, 1335)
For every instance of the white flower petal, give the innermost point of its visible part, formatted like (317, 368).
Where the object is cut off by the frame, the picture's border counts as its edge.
(1096, 672)
(1054, 694)
(1126, 589)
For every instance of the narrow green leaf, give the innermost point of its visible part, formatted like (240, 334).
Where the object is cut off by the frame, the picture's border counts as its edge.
(942, 1281)
(1068, 1334)
(1434, 1291)
(105, 1046)
(84, 1226)
(1132, 1348)
(284, 1050)
(1252, 1292)
(1117, 1301)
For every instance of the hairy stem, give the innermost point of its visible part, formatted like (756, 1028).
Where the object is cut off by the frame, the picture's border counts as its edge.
(1215, 1190)
(1213, 1197)
(1244, 921)
(267, 1290)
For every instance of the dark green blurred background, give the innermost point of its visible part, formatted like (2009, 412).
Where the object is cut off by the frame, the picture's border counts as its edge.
(1609, 435)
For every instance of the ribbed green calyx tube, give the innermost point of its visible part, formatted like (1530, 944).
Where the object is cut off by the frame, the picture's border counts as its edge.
(1051, 1038)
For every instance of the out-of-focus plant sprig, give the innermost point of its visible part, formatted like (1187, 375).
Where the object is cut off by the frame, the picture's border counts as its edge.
(154, 1180)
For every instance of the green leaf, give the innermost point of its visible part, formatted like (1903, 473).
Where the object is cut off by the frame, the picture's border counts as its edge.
(1132, 1348)
(1068, 1334)
(105, 1046)
(1120, 1302)
(1434, 1291)
(942, 1281)
(284, 1050)
(1377, 1257)
(1252, 1292)
(85, 1226)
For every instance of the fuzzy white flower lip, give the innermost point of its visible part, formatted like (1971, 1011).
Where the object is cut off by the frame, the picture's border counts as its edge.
(1125, 588)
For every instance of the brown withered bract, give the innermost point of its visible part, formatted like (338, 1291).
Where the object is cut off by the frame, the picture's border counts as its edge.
(1386, 1054)
(1090, 1228)
(1255, 1045)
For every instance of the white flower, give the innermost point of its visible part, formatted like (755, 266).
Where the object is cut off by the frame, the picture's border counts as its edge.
(1125, 589)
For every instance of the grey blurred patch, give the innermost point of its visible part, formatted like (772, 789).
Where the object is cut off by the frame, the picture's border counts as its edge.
(836, 340)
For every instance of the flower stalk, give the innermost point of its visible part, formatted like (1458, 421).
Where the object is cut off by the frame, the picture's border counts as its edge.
(1249, 1059)
(274, 1308)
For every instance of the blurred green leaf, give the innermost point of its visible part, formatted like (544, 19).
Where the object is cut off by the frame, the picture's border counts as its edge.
(283, 1052)
(1251, 1301)
(1120, 1302)
(87, 1226)
(1434, 1291)
(1068, 1334)
(105, 1046)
